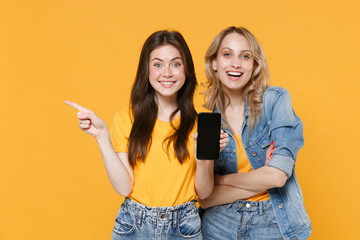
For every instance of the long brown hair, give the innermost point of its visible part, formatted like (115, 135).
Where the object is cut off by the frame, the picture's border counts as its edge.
(144, 108)
(253, 90)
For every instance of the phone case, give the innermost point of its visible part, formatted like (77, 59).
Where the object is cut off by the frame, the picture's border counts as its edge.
(208, 141)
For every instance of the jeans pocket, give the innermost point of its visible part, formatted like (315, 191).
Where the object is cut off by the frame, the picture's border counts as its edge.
(270, 219)
(124, 223)
(190, 226)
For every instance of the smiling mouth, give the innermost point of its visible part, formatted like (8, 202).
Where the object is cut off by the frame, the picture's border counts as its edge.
(167, 83)
(234, 74)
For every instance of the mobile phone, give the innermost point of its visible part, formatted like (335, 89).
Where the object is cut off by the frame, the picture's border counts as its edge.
(208, 141)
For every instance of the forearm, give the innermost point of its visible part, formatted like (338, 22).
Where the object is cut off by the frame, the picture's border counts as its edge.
(223, 194)
(117, 167)
(119, 176)
(204, 178)
(258, 180)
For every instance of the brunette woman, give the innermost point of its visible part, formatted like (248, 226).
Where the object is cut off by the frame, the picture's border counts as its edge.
(150, 157)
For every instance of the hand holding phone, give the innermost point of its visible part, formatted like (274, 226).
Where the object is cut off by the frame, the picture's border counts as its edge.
(209, 126)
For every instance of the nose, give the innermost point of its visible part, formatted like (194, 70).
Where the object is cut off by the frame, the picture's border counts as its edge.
(167, 71)
(236, 62)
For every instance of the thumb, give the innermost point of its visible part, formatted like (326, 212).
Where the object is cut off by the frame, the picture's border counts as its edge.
(195, 136)
(86, 115)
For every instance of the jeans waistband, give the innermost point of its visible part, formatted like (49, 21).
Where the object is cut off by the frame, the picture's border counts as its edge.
(154, 214)
(250, 206)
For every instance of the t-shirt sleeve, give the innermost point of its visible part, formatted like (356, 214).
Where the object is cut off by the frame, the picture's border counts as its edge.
(120, 131)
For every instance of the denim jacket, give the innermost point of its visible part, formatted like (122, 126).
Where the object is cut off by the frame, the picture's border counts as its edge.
(279, 123)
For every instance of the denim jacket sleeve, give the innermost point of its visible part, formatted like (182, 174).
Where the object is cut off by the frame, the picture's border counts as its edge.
(286, 130)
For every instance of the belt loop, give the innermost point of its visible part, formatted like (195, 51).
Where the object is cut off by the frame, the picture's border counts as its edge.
(138, 217)
(175, 218)
(260, 208)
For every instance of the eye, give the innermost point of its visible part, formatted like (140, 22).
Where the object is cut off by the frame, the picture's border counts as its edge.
(227, 54)
(246, 56)
(176, 64)
(157, 65)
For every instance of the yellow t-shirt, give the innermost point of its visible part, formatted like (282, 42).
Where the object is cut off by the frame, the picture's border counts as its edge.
(159, 181)
(245, 166)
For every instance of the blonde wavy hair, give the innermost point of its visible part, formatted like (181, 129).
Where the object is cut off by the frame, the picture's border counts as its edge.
(253, 91)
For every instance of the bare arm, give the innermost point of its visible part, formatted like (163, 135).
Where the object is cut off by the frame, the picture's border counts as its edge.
(223, 194)
(260, 179)
(117, 165)
(204, 177)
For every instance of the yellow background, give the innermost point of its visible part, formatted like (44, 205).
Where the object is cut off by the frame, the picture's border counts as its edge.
(52, 181)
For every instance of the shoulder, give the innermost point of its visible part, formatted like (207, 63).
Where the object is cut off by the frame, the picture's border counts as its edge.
(274, 94)
(123, 115)
(199, 109)
(123, 112)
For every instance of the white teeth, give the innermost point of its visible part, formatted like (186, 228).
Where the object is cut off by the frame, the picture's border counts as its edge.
(167, 83)
(234, 74)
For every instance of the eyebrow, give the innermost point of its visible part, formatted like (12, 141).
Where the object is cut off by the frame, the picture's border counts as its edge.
(175, 58)
(246, 50)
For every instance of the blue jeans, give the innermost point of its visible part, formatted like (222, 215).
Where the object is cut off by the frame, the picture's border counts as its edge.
(240, 220)
(137, 221)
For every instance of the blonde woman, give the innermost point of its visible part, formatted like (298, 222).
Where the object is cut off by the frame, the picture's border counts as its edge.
(253, 198)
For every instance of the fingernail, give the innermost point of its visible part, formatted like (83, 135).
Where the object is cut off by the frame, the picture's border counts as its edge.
(272, 142)
(270, 154)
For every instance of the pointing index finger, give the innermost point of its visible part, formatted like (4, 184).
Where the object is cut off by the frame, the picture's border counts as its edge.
(76, 106)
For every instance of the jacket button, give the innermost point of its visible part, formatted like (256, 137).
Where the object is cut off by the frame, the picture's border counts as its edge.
(293, 238)
(253, 154)
(281, 205)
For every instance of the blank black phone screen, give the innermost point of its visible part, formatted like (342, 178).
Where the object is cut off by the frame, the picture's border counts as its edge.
(208, 146)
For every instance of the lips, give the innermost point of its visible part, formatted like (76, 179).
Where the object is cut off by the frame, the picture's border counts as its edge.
(234, 74)
(167, 84)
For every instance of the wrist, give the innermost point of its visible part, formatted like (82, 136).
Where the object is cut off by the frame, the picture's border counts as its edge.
(206, 164)
(103, 137)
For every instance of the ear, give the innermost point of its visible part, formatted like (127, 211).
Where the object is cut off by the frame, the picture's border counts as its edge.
(214, 65)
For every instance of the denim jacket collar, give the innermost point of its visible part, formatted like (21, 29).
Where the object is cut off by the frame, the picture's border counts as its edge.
(246, 120)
